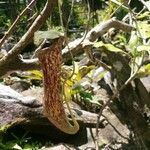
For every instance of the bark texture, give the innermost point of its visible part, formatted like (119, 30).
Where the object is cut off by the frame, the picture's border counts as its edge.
(129, 101)
(8, 60)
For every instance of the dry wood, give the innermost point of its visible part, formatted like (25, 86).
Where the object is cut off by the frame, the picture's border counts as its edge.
(76, 47)
(31, 116)
(27, 38)
(13, 26)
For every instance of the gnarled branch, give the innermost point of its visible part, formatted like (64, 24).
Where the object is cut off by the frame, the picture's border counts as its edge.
(76, 47)
(39, 21)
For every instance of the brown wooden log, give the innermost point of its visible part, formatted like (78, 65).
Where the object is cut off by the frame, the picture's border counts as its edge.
(30, 115)
(27, 112)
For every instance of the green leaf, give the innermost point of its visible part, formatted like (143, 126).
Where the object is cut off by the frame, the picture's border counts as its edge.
(109, 47)
(17, 147)
(137, 61)
(83, 71)
(144, 29)
(40, 36)
(144, 71)
(143, 48)
(96, 74)
(35, 74)
(76, 89)
(143, 15)
(76, 67)
(86, 95)
(95, 100)
(134, 41)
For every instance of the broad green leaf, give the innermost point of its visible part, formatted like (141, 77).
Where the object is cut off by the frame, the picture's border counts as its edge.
(40, 36)
(109, 47)
(83, 71)
(87, 96)
(17, 147)
(95, 100)
(144, 28)
(37, 73)
(34, 74)
(143, 48)
(134, 41)
(79, 73)
(144, 71)
(143, 15)
(112, 48)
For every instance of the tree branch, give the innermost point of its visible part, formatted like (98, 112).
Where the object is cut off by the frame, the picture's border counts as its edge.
(76, 47)
(39, 21)
(13, 26)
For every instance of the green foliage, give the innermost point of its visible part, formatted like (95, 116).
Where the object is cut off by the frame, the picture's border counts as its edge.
(34, 74)
(144, 29)
(143, 16)
(143, 71)
(40, 36)
(4, 20)
(69, 79)
(85, 95)
(108, 47)
(40, 4)
(133, 45)
(76, 85)
(20, 144)
(21, 140)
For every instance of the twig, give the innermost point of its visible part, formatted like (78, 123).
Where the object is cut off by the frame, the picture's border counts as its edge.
(39, 48)
(120, 4)
(13, 26)
(98, 122)
(115, 95)
(115, 128)
(72, 48)
(102, 64)
(39, 21)
(145, 4)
